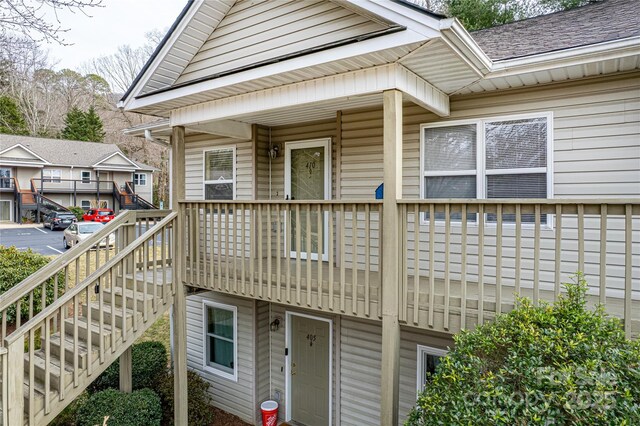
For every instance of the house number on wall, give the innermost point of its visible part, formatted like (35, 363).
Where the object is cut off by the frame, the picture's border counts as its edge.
(311, 338)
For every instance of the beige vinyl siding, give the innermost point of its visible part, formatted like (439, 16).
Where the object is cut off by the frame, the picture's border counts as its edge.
(360, 354)
(254, 32)
(234, 397)
(596, 146)
(194, 165)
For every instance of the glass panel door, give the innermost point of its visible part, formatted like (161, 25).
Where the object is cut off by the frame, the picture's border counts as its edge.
(307, 171)
(5, 178)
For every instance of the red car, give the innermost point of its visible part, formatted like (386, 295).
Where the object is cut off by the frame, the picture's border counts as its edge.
(98, 215)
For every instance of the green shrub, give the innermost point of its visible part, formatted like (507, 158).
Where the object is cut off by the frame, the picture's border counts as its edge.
(140, 408)
(149, 366)
(200, 412)
(555, 364)
(15, 266)
(77, 211)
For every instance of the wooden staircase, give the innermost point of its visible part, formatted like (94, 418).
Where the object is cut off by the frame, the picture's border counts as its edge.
(104, 298)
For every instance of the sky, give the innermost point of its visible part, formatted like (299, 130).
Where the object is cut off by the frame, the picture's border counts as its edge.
(118, 22)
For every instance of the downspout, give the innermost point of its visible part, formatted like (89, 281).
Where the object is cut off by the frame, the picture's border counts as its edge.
(270, 160)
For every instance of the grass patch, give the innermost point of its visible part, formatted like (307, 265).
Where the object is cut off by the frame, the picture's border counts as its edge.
(159, 332)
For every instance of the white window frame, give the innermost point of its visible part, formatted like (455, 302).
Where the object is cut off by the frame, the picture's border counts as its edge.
(481, 173)
(205, 334)
(51, 178)
(85, 201)
(83, 179)
(420, 368)
(204, 171)
(137, 176)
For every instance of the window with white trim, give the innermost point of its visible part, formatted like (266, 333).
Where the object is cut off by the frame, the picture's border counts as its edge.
(85, 176)
(221, 337)
(428, 359)
(85, 204)
(488, 158)
(51, 175)
(219, 174)
(139, 179)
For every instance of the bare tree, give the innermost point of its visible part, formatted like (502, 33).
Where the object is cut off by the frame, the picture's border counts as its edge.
(30, 17)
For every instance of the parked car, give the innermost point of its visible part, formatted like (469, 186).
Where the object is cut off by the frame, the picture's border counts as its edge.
(80, 231)
(61, 220)
(98, 215)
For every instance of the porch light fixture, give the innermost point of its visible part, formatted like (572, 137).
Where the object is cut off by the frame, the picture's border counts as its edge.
(273, 151)
(275, 324)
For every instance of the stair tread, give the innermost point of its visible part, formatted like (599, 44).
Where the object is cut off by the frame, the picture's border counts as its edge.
(82, 323)
(54, 367)
(54, 339)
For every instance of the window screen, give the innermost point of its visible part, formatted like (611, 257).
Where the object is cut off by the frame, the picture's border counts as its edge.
(219, 174)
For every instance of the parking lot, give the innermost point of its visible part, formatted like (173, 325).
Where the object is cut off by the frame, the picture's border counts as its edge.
(43, 241)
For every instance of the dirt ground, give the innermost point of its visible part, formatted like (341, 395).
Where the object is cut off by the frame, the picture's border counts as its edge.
(225, 419)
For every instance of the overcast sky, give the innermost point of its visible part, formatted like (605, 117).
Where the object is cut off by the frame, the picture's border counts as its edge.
(118, 22)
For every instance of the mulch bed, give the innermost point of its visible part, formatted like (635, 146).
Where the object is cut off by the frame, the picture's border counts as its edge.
(223, 418)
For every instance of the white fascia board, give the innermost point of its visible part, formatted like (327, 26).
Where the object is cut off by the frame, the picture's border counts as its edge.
(421, 92)
(459, 39)
(23, 164)
(389, 41)
(351, 84)
(19, 145)
(160, 57)
(98, 164)
(429, 26)
(566, 58)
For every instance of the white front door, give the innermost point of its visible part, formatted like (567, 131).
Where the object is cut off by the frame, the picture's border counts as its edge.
(307, 177)
(5, 211)
(309, 370)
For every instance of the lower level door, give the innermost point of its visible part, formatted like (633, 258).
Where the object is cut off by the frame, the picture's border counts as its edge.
(310, 372)
(5, 211)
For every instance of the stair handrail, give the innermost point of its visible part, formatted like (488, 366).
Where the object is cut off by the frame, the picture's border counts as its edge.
(49, 200)
(14, 343)
(91, 279)
(56, 266)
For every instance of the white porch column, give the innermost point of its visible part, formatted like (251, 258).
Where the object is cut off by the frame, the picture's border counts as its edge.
(179, 299)
(392, 139)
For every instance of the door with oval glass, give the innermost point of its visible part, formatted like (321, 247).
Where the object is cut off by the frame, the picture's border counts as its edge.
(310, 357)
(307, 177)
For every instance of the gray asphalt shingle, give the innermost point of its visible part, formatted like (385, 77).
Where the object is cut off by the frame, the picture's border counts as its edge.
(65, 152)
(594, 23)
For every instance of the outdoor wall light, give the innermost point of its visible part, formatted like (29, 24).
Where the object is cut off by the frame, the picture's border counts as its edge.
(273, 151)
(275, 324)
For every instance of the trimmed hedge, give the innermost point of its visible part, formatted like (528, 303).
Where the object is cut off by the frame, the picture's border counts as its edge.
(559, 364)
(200, 410)
(140, 408)
(149, 367)
(15, 266)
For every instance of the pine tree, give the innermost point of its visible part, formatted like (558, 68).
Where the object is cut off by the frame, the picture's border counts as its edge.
(83, 126)
(11, 119)
(93, 126)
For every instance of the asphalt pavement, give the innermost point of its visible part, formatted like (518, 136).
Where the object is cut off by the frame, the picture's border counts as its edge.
(36, 238)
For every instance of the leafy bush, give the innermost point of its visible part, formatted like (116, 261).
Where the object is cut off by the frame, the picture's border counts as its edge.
(77, 211)
(15, 266)
(149, 366)
(140, 408)
(200, 412)
(553, 364)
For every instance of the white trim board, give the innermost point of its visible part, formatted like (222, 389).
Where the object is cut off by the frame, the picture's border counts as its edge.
(205, 366)
(19, 145)
(115, 166)
(287, 375)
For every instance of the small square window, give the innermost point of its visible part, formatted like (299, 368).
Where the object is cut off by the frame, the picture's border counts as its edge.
(220, 333)
(86, 177)
(85, 204)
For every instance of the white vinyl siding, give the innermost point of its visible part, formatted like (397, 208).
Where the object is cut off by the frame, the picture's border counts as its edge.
(235, 397)
(254, 33)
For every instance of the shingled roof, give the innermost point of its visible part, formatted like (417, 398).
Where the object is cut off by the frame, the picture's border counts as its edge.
(64, 152)
(594, 23)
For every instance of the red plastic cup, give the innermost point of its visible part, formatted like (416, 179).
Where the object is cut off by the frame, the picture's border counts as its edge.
(269, 413)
